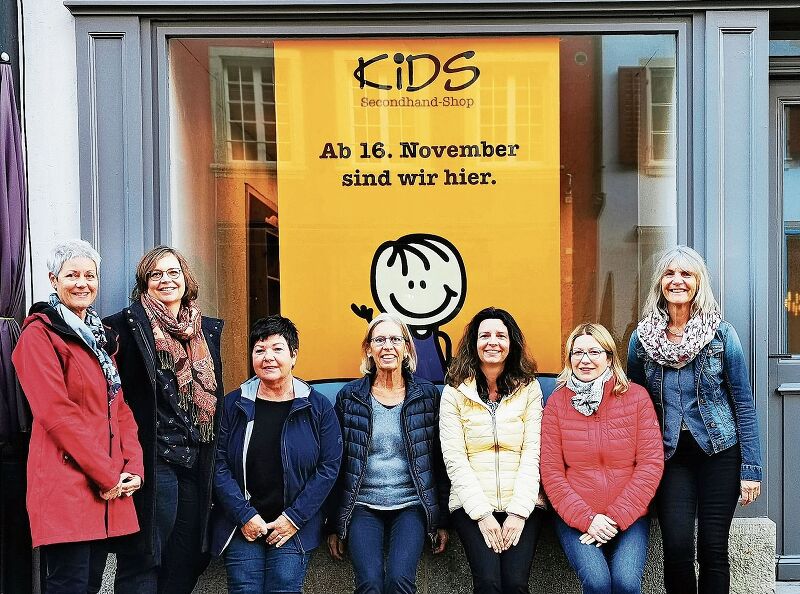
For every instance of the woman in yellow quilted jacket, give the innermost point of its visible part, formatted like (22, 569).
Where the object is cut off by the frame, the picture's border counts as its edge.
(490, 427)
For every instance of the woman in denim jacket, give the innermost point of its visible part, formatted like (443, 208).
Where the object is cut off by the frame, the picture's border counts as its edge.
(691, 362)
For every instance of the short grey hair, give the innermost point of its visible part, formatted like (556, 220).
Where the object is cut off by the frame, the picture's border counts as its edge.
(73, 248)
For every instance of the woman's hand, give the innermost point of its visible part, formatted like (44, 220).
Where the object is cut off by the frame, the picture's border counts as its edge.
(282, 530)
(492, 533)
(601, 530)
(336, 547)
(750, 490)
(441, 541)
(129, 483)
(512, 530)
(114, 491)
(255, 528)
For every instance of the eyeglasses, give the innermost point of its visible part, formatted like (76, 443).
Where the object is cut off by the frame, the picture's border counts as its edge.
(172, 273)
(379, 341)
(594, 354)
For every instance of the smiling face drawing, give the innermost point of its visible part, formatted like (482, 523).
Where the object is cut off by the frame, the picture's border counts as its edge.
(420, 278)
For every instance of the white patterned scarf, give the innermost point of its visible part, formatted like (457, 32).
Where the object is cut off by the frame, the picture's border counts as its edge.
(699, 331)
(588, 395)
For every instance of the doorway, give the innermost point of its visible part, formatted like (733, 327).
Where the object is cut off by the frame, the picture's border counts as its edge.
(783, 436)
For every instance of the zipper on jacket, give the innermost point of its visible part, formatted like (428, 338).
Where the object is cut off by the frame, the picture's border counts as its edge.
(411, 470)
(152, 357)
(110, 454)
(285, 462)
(493, 413)
(352, 505)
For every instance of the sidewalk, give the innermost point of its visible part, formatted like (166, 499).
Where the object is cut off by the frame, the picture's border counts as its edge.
(787, 587)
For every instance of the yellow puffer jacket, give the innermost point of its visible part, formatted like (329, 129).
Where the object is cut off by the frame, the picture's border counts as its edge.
(492, 458)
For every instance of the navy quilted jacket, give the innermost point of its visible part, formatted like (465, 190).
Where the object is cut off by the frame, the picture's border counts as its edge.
(420, 416)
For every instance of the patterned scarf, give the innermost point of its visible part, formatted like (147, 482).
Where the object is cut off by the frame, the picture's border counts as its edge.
(92, 333)
(699, 331)
(182, 348)
(588, 395)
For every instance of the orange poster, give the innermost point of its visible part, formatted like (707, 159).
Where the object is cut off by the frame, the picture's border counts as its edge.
(419, 177)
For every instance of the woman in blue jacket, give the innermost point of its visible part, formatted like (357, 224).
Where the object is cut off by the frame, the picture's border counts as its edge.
(278, 456)
(392, 482)
(692, 363)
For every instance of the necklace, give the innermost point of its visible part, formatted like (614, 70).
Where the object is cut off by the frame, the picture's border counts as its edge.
(675, 334)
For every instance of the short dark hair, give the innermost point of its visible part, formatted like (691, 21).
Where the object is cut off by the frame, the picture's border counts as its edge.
(275, 325)
(519, 369)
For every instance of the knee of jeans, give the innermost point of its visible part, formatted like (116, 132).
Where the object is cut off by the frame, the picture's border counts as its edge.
(594, 581)
(515, 583)
(368, 585)
(714, 553)
(487, 583)
(398, 583)
(626, 583)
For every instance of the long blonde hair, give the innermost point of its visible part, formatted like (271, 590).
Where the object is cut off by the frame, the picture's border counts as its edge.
(602, 336)
(688, 259)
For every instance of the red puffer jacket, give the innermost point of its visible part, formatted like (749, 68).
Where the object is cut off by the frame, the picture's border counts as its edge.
(609, 463)
(79, 445)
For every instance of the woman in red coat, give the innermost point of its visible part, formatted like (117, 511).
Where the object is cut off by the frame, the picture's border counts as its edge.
(85, 460)
(601, 462)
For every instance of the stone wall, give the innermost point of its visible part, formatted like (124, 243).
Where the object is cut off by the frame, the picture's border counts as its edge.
(752, 567)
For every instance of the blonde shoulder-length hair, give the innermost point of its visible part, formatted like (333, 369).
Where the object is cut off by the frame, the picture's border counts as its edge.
(602, 336)
(687, 259)
(409, 361)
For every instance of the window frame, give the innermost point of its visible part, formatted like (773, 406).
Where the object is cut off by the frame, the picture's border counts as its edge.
(219, 60)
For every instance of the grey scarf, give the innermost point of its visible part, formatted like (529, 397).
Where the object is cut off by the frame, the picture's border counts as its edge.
(588, 395)
(91, 332)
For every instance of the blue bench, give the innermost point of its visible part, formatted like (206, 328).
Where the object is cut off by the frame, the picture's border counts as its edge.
(329, 388)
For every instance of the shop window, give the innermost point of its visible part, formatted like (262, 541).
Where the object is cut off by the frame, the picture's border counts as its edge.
(261, 127)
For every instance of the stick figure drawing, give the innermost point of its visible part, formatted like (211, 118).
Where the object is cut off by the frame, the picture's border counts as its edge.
(420, 278)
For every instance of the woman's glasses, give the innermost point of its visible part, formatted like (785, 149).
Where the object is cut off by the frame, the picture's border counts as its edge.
(379, 341)
(594, 354)
(157, 275)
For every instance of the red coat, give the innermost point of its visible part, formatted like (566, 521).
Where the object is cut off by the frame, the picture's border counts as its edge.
(79, 446)
(610, 462)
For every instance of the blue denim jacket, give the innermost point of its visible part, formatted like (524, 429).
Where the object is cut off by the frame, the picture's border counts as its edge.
(723, 395)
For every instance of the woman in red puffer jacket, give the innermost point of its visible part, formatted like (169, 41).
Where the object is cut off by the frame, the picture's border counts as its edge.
(601, 462)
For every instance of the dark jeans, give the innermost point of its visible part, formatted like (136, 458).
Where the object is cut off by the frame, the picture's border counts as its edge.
(705, 488)
(259, 568)
(498, 573)
(616, 567)
(177, 561)
(74, 567)
(404, 530)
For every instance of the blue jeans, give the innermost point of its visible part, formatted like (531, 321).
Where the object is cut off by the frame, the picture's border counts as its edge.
(498, 573)
(405, 531)
(177, 559)
(74, 567)
(616, 567)
(259, 568)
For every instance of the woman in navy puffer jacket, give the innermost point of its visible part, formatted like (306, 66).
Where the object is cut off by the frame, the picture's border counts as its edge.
(392, 479)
